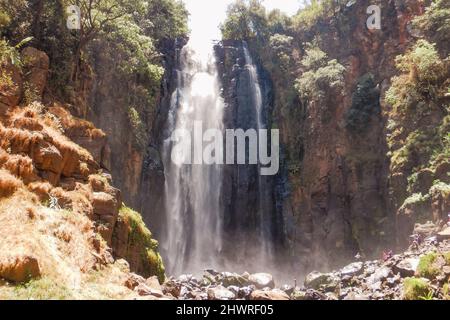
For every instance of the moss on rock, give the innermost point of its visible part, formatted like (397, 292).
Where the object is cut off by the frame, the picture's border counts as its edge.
(141, 249)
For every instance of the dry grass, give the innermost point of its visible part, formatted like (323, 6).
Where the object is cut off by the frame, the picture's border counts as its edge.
(18, 165)
(62, 241)
(9, 184)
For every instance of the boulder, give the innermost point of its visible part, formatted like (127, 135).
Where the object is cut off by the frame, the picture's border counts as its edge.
(444, 234)
(379, 275)
(220, 293)
(407, 267)
(153, 283)
(36, 69)
(133, 280)
(323, 281)
(274, 294)
(233, 279)
(261, 280)
(104, 204)
(352, 269)
(19, 268)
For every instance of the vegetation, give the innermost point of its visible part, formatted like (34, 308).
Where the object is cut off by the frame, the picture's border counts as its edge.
(141, 237)
(320, 76)
(415, 289)
(365, 103)
(427, 267)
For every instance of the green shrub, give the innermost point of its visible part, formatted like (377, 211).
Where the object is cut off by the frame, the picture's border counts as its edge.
(141, 237)
(415, 289)
(435, 22)
(365, 103)
(427, 267)
(321, 75)
(138, 127)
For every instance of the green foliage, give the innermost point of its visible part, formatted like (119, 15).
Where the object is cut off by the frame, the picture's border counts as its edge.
(281, 46)
(427, 267)
(245, 20)
(138, 127)
(365, 103)
(41, 289)
(141, 237)
(11, 54)
(415, 289)
(423, 77)
(435, 22)
(416, 199)
(315, 11)
(321, 75)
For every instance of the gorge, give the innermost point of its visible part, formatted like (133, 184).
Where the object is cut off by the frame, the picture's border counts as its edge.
(250, 142)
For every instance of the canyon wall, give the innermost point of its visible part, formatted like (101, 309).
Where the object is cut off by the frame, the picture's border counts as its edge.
(333, 191)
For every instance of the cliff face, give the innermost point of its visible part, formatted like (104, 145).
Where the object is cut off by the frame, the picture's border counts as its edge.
(61, 218)
(334, 142)
(251, 202)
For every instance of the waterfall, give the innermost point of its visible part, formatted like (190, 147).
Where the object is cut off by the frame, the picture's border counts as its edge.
(192, 239)
(265, 252)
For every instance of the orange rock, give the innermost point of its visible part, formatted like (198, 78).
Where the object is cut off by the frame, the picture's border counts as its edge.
(19, 268)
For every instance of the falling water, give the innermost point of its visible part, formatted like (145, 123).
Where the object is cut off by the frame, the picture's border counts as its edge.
(194, 218)
(265, 252)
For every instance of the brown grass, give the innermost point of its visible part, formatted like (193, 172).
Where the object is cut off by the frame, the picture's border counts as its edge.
(9, 184)
(18, 165)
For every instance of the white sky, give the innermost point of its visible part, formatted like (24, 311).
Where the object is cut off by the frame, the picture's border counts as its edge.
(206, 15)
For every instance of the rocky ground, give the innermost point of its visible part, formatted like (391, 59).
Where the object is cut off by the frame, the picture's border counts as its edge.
(420, 273)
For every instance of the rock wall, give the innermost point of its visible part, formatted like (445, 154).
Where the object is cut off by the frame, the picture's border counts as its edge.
(337, 185)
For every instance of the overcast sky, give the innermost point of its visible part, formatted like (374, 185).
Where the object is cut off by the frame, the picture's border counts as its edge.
(206, 15)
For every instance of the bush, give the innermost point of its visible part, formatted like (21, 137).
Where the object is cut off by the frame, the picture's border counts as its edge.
(415, 289)
(427, 267)
(321, 75)
(141, 237)
(365, 103)
(435, 22)
(138, 127)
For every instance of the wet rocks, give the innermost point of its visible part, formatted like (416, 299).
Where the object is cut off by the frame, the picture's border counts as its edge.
(262, 280)
(325, 281)
(220, 293)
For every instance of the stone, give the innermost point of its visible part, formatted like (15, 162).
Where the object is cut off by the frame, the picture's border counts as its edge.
(172, 287)
(220, 293)
(144, 290)
(19, 268)
(352, 269)
(153, 283)
(233, 279)
(426, 229)
(407, 267)
(104, 204)
(379, 275)
(298, 295)
(262, 280)
(274, 294)
(245, 292)
(36, 69)
(288, 289)
(234, 289)
(444, 234)
(324, 281)
(133, 280)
